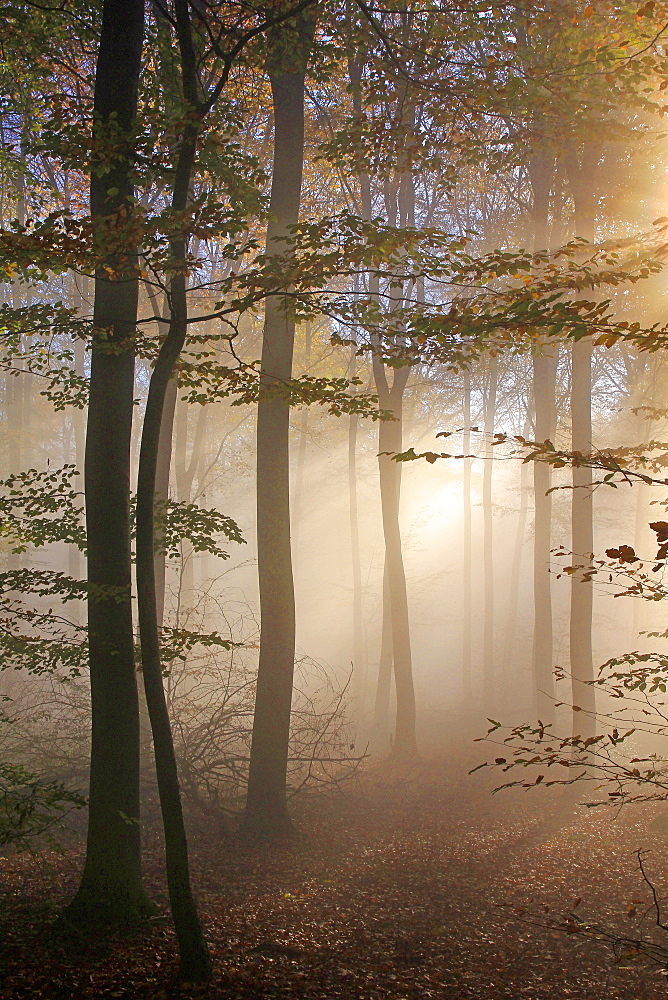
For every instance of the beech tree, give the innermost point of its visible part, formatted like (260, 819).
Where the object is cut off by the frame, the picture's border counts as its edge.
(111, 887)
(266, 806)
(419, 296)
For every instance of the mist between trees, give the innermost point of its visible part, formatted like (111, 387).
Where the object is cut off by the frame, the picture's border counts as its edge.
(333, 403)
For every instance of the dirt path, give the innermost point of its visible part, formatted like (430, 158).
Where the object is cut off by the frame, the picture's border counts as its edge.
(408, 888)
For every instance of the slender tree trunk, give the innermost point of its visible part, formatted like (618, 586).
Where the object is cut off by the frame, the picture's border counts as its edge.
(381, 711)
(581, 173)
(298, 495)
(544, 381)
(381, 715)
(162, 493)
(390, 438)
(359, 651)
(266, 805)
(489, 666)
(111, 885)
(395, 612)
(194, 958)
(164, 460)
(582, 544)
(544, 362)
(518, 550)
(467, 554)
(195, 964)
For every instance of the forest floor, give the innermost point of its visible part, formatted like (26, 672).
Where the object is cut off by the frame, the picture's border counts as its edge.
(415, 884)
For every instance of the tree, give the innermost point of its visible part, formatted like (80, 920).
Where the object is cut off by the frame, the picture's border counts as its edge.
(266, 806)
(541, 173)
(400, 206)
(195, 964)
(581, 172)
(111, 887)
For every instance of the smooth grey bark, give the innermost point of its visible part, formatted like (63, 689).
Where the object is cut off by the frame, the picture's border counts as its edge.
(544, 382)
(400, 207)
(162, 476)
(581, 171)
(359, 649)
(298, 495)
(266, 814)
(395, 654)
(544, 364)
(489, 666)
(381, 709)
(467, 554)
(194, 960)
(111, 886)
(516, 568)
(390, 442)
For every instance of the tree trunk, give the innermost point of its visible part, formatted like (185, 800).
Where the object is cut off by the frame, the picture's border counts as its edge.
(381, 711)
(359, 651)
(466, 568)
(381, 708)
(390, 442)
(111, 887)
(194, 960)
(582, 544)
(581, 172)
(489, 671)
(512, 672)
(195, 964)
(298, 495)
(541, 172)
(163, 467)
(544, 380)
(266, 813)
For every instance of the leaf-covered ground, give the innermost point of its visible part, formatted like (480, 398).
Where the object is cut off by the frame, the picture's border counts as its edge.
(416, 884)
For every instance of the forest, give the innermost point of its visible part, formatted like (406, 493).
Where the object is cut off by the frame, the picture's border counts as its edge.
(333, 499)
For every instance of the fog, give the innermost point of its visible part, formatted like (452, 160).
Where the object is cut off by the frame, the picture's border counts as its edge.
(333, 450)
